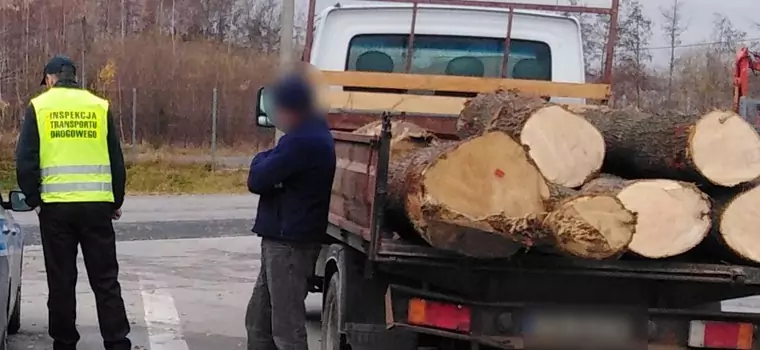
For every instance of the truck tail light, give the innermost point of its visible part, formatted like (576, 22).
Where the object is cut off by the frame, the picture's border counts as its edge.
(434, 314)
(721, 335)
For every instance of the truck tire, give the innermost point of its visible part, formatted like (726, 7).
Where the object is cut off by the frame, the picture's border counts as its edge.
(14, 320)
(331, 337)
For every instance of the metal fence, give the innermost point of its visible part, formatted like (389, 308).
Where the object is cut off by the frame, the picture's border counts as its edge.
(213, 121)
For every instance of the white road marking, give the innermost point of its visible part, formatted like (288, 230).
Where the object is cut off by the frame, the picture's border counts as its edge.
(161, 317)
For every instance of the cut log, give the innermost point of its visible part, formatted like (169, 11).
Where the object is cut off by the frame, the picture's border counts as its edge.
(566, 148)
(738, 220)
(483, 197)
(591, 226)
(717, 148)
(673, 217)
(450, 192)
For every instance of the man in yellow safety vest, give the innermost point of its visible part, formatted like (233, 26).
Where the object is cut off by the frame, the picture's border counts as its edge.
(70, 167)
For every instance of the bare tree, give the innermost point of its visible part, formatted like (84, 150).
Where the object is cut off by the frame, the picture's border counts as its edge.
(673, 27)
(727, 37)
(633, 54)
(592, 35)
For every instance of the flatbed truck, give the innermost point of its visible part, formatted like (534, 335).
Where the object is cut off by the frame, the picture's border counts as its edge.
(383, 292)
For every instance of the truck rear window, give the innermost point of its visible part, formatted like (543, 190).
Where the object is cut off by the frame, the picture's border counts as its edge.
(449, 55)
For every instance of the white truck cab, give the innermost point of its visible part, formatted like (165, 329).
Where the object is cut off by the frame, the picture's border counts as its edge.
(449, 40)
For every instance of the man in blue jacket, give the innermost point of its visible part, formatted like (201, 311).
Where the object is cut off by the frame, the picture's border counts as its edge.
(293, 181)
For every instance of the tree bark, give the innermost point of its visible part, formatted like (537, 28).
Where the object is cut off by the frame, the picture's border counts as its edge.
(566, 148)
(735, 234)
(673, 217)
(717, 148)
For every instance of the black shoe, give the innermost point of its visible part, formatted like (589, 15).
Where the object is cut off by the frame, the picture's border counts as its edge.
(60, 346)
(125, 344)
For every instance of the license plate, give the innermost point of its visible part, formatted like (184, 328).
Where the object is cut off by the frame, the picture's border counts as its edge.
(567, 329)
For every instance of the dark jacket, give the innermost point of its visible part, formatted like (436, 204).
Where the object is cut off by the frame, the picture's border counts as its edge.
(28, 157)
(294, 181)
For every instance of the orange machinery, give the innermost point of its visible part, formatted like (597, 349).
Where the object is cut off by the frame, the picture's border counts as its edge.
(746, 62)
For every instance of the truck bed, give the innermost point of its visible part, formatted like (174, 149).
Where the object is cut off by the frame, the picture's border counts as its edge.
(356, 218)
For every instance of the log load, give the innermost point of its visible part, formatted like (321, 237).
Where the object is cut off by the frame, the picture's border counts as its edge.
(673, 217)
(717, 148)
(483, 197)
(737, 220)
(566, 148)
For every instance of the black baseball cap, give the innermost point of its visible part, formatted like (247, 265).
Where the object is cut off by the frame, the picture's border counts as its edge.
(56, 65)
(293, 92)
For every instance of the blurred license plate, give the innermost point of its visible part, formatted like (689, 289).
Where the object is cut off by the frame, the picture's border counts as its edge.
(568, 329)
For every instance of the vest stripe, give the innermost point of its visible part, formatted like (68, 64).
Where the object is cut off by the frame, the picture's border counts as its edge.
(76, 187)
(76, 169)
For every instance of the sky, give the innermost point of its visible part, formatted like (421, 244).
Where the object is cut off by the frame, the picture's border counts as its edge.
(697, 13)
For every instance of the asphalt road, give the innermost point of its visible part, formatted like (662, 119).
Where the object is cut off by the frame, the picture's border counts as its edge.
(188, 266)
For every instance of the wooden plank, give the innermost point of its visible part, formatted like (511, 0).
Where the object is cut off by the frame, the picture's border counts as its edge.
(462, 84)
(341, 101)
(394, 103)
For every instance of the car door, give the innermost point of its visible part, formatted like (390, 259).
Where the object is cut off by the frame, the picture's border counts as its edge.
(12, 239)
(6, 262)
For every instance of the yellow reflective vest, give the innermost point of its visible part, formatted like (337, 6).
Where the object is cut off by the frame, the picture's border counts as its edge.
(74, 160)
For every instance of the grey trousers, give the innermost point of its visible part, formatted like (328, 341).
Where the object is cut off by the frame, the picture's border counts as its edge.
(276, 315)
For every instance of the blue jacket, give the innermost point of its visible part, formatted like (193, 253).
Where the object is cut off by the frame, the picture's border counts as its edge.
(294, 180)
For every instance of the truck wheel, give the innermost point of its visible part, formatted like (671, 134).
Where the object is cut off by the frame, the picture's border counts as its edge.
(14, 321)
(331, 338)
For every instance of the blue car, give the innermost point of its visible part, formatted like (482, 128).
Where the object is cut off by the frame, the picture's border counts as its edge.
(11, 255)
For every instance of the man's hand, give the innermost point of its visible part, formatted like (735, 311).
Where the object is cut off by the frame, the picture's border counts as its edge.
(116, 214)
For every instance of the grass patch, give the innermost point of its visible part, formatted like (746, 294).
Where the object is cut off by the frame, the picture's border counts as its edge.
(7, 176)
(157, 170)
(162, 177)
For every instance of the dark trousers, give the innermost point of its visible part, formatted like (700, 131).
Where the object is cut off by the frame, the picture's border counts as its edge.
(276, 315)
(63, 226)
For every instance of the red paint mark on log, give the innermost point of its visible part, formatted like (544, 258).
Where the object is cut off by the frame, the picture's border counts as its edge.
(499, 173)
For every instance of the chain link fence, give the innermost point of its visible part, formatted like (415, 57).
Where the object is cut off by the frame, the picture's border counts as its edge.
(197, 118)
(200, 124)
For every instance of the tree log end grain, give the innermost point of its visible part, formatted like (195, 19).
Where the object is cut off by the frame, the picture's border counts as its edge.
(486, 175)
(725, 149)
(591, 226)
(739, 224)
(673, 217)
(567, 149)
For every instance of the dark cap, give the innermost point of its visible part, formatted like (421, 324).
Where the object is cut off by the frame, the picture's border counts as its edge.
(293, 92)
(56, 65)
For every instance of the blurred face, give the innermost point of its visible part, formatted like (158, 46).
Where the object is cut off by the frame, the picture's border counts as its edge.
(286, 119)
